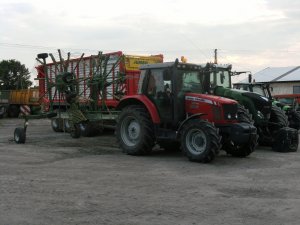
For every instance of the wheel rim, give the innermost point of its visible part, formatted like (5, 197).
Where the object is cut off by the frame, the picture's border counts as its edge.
(130, 131)
(196, 141)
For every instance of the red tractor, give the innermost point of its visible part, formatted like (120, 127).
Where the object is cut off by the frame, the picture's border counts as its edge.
(171, 109)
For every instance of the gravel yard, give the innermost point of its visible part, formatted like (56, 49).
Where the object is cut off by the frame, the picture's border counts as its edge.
(54, 179)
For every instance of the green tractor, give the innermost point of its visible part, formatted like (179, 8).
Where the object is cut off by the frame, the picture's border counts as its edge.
(265, 90)
(270, 121)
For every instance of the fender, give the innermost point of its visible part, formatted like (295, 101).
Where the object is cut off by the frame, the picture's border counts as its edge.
(140, 100)
(186, 120)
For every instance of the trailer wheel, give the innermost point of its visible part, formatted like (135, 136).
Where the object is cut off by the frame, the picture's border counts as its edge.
(75, 131)
(67, 125)
(20, 135)
(87, 129)
(200, 141)
(134, 131)
(2, 111)
(56, 124)
(286, 140)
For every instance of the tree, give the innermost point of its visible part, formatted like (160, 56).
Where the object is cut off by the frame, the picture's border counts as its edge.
(14, 75)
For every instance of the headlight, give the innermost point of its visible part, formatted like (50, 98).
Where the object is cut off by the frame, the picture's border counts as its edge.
(229, 116)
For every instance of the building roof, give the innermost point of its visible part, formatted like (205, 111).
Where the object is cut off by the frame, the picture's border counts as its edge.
(278, 74)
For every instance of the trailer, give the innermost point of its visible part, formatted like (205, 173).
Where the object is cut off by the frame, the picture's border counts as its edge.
(14, 102)
(81, 94)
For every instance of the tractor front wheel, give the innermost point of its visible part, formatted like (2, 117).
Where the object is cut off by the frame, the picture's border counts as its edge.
(200, 141)
(134, 131)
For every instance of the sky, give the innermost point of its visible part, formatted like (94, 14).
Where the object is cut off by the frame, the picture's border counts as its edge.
(250, 35)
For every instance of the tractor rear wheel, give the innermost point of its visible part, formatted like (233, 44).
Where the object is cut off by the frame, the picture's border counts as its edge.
(134, 131)
(200, 141)
(278, 116)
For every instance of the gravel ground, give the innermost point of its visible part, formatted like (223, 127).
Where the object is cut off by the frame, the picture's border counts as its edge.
(54, 179)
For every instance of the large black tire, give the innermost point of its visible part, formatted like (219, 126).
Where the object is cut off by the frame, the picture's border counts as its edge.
(278, 116)
(135, 131)
(87, 129)
(20, 135)
(294, 119)
(286, 140)
(244, 115)
(200, 141)
(267, 134)
(75, 131)
(67, 125)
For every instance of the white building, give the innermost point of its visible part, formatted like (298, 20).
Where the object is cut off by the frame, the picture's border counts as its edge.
(282, 80)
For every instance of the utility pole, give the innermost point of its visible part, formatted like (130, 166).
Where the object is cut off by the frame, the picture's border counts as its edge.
(216, 56)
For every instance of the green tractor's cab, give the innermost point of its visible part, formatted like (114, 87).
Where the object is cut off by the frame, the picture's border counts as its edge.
(270, 121)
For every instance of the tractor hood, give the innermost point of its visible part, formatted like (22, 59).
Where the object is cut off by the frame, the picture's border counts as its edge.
(209, 99)
(256, 97)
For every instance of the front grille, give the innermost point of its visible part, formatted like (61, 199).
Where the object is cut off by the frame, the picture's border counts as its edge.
(230, 111)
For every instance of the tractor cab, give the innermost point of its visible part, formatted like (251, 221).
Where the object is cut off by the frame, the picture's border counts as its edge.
(166, 84)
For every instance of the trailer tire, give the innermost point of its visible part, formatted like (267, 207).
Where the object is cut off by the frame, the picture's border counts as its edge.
(20, 135)
(200, 141)
(56, 124)
(75, 132)
(67, 125)
(135, 131)
(2, 111)
(87, 129)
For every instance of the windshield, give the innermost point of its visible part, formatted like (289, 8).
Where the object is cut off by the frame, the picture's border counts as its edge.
(220, 78)
(288, 101)
(259, 90)
(189, 81)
